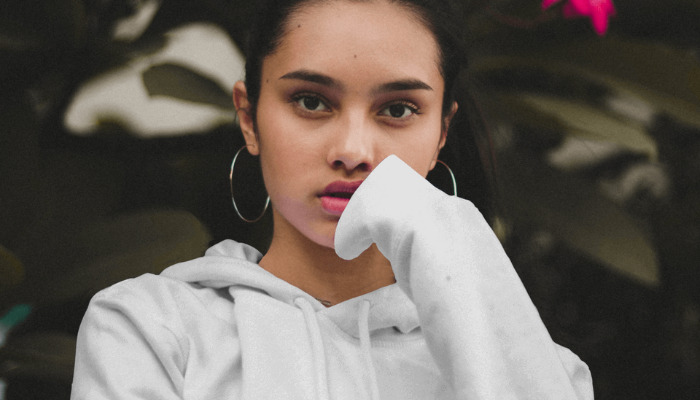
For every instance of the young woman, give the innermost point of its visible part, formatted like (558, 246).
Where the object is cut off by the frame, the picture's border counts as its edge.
(376, 284)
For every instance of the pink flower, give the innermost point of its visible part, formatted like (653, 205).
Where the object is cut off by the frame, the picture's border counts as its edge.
(599, 11)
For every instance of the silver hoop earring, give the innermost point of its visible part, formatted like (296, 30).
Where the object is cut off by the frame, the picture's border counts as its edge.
(452, 176)
(233, 200)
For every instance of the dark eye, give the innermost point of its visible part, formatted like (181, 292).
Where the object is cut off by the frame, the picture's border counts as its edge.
(399, 110)
(310, 103)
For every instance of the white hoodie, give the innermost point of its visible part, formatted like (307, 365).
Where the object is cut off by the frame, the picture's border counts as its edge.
(458, 323)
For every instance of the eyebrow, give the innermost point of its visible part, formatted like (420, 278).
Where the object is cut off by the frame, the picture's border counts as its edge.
(395, 86)
(309, 76)
(403, 84)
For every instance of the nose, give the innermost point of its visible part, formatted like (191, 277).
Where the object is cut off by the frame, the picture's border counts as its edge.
(352, 145)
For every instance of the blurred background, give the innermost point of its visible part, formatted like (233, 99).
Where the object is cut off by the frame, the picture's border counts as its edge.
(117, 132)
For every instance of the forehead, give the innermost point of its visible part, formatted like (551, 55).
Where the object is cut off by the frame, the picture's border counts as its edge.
(383, 35)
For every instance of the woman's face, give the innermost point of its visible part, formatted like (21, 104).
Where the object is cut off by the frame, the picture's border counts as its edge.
(350, 84)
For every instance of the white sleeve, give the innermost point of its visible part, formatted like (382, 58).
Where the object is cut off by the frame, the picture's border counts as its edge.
(479, 322)
(125, 351)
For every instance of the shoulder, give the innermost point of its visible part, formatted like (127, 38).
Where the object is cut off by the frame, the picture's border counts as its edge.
(145, 290)
(161, 298)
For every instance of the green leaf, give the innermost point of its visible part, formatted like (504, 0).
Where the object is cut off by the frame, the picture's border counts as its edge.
(15, 316)
(43, 355)
(666, 78)
(118, 248)
(580, 216)
(34, 36)
(577, 119)
(182, 83)
(43, 22)
(11, 268)
(694, 81)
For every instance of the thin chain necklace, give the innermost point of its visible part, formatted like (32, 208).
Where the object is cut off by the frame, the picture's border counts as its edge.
(324, 302)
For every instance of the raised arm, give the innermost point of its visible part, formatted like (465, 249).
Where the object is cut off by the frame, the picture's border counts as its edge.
(479, 322)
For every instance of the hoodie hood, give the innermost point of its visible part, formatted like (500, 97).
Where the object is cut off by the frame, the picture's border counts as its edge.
(234, 265)
(386, 314)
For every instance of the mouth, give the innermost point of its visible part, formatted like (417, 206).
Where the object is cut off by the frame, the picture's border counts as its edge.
(340, 195)
(335, 196)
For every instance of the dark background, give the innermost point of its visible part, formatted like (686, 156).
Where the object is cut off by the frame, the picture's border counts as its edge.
(593, 147)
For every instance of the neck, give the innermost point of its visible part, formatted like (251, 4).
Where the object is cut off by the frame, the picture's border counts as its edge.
(319, 271)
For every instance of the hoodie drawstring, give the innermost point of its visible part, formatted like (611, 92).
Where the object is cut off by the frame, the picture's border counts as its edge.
(365, 345)
(319, 356)
(316, 346)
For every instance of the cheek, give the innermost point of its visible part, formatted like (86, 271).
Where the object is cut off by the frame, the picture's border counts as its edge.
(278, 169)
(422, 149)
(285, 162)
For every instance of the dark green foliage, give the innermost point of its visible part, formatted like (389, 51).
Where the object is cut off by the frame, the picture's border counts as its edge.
(604, 238)
(182, 83)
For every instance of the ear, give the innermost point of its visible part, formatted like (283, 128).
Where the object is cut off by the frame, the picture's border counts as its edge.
(446, 124)
(443, 134)
(245, 117)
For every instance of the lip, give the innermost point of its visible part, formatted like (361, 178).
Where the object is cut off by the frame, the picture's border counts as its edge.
(332, 200)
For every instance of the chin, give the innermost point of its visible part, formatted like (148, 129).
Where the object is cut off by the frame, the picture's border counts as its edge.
(324, 240)
(325, 236)
(320, 231)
